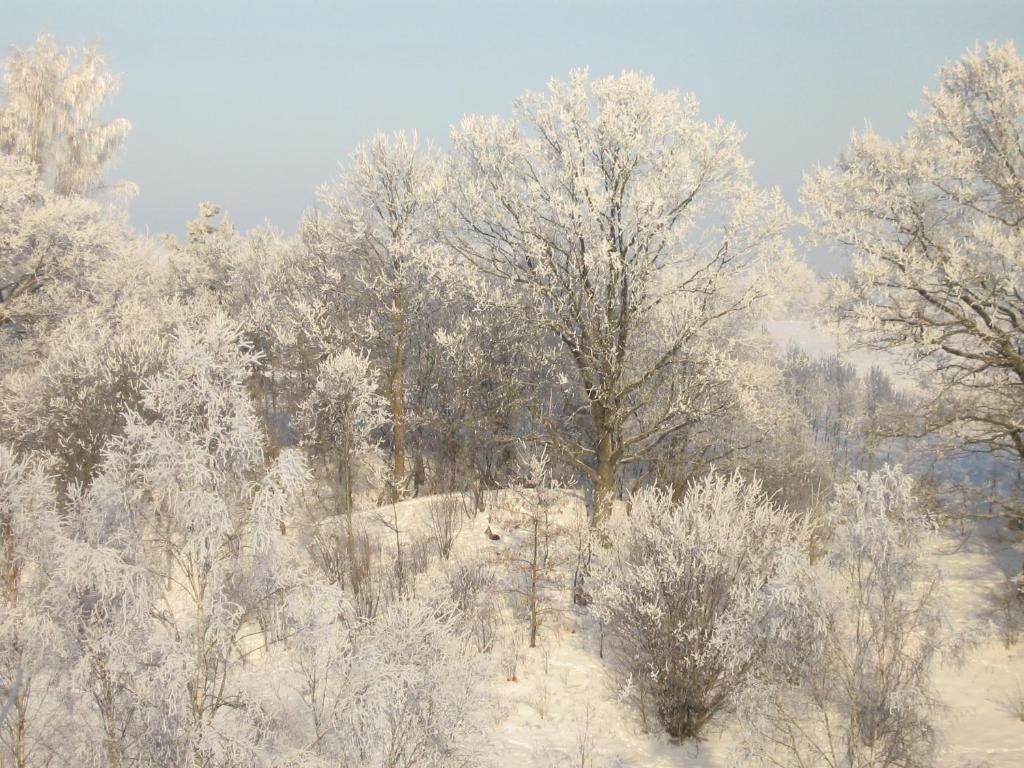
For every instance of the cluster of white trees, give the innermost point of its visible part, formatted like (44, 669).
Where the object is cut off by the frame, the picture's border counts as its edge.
(187, 429)
(161, 408)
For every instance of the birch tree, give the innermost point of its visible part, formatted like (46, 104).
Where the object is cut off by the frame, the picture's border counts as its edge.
(50, 115)
(418, 695)
(181, 550)
(629, 230)
(91, 369)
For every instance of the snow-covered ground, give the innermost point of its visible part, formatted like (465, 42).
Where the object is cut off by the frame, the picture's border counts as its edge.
(562, 709)
(982, 727)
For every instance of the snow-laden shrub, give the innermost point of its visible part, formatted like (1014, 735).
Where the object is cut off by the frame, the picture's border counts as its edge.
(418, 695)
(849, 643)
(444, 523)
(677, 575)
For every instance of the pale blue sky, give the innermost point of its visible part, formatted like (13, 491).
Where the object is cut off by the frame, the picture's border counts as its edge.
(251, 104)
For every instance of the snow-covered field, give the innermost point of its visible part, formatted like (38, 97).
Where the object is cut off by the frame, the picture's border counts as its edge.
(563, 709)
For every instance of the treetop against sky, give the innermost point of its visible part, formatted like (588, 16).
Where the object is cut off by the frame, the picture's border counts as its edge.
(252, 104)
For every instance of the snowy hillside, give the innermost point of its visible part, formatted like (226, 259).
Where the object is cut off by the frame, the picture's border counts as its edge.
(563, 707)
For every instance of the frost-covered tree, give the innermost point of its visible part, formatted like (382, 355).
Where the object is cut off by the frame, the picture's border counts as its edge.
(320, 657)
(285, 297)
(749, 422)
(854, 419)
(292, 299)
(207, 260)
(265, 277)
(629, 230)
(934, 225)
(181, 549)
(90, 371)
(676, 583)
(533, 559)
(420, 698)
(50, 115)
(338, 421)
(395, 691)
(848, 645)
(377, 221)
(51, 249)
(481, 378)
(33, 640)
